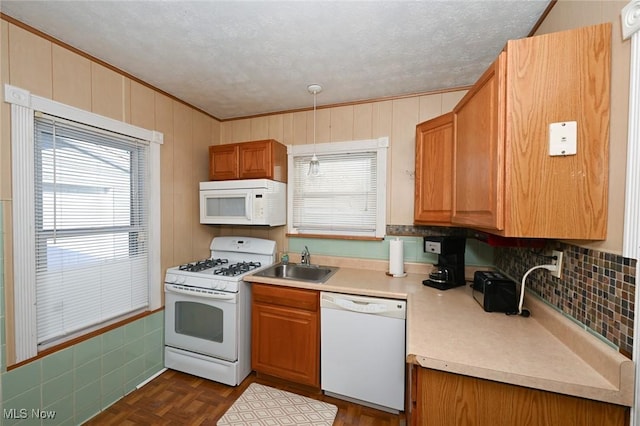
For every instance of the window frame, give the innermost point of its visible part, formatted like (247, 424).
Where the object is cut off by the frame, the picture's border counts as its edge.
(24, 106)
(379, 146)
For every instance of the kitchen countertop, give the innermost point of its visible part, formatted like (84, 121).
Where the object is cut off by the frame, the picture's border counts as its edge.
(449, 331)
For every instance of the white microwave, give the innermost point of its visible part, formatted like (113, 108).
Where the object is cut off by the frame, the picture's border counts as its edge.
(243, 202)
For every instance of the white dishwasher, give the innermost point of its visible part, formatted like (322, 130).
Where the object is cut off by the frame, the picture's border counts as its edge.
(362, 349)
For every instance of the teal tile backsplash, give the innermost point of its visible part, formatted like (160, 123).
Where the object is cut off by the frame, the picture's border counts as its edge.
(78, 382)
(57, 363)
(477, 253)
(20, 380)
(87, 351)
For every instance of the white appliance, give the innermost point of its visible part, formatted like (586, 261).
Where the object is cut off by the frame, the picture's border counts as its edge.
(362, 355)
(208, 310)
(243, 202)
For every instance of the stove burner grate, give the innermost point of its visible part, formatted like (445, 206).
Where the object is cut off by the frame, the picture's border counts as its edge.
(201, 265)
(237, 269)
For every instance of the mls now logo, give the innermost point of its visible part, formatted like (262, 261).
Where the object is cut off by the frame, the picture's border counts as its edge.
(23, 413)
(14, 413)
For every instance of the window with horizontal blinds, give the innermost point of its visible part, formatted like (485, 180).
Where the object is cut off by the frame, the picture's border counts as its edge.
(91, 226)
(342, 199)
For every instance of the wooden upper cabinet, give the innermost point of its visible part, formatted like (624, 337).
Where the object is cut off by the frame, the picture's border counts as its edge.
(223, 162)
(248, 160)
(505, 181)
(434, 171)
(479, 152)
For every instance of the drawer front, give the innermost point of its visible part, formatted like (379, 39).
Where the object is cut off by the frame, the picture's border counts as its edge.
(307, 300)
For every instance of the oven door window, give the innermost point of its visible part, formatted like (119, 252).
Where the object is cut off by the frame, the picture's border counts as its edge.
(199, 320)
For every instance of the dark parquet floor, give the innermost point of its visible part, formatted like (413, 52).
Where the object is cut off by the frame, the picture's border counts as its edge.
(176, 398)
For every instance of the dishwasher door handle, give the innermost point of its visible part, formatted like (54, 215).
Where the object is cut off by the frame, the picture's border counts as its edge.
(363, 307)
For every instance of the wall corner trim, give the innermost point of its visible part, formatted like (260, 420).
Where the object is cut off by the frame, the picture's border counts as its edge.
(630, 16)
(631, 240)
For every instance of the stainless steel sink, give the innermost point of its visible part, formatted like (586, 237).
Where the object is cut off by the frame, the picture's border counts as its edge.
(292, 271)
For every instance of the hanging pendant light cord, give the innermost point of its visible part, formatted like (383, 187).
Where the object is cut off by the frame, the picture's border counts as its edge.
(314, 164)
(314, 122)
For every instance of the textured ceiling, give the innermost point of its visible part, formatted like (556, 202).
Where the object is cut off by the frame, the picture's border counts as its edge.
(243, 58)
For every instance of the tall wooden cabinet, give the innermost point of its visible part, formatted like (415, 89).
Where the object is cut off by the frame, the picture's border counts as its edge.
(504, 180)
(248, 160)
(434, 171)
(285, 337)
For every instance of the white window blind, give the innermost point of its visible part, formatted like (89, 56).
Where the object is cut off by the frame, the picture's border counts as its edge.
(91, 226)
(27, 263)
(341, 199)
(347, 197)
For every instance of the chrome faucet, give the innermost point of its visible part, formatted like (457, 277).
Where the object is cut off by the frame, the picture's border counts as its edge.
(305, 256)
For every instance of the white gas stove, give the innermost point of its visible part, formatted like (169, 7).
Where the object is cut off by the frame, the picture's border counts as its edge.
(231, 259)
(208, 312)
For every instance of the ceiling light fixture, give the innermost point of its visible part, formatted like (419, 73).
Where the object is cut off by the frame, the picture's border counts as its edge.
(314, 164)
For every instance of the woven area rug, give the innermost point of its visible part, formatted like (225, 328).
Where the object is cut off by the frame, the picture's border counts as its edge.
(261, 405)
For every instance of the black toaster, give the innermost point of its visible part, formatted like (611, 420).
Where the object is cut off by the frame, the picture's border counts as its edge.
(495, 292)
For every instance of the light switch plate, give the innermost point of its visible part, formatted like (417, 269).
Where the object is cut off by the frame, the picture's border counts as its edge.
(563, 138)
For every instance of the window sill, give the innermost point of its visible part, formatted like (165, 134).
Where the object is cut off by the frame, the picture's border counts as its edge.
(334, 237)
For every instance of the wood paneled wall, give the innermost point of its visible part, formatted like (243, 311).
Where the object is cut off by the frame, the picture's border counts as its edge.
(396, 119)
(49, 70)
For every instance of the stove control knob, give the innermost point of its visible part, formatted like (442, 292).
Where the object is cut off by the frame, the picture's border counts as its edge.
(221, 286)
(170, 278)
(181, 280)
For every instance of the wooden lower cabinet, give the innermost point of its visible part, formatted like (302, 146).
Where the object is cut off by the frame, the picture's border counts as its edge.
(444, 399)
(285, 336)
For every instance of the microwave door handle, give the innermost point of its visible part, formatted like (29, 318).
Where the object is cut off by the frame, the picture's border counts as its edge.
(247, 206)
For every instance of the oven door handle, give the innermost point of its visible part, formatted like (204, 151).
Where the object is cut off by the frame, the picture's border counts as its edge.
(216, 296)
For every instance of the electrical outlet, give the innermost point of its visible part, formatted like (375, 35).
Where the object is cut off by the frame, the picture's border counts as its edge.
(558, 262)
